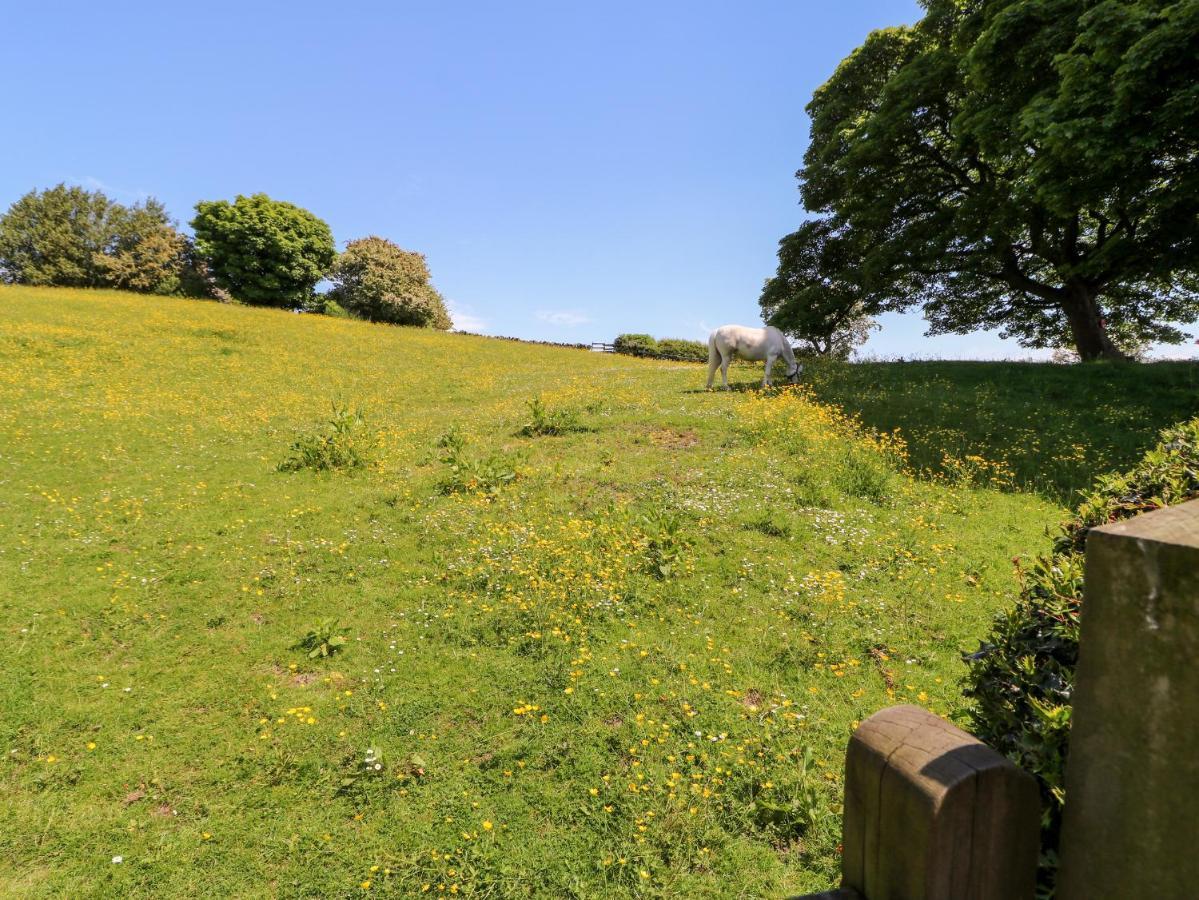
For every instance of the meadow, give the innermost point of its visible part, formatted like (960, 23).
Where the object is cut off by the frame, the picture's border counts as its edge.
(299, 606)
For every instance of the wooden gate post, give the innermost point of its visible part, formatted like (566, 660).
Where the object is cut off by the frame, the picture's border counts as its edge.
(1131, 822)
(932, 813)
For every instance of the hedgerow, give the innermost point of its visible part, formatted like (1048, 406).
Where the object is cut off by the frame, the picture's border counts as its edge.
(1022, 677)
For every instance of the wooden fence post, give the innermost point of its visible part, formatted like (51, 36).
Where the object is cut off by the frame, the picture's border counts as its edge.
(1131, 827)
(932, 813)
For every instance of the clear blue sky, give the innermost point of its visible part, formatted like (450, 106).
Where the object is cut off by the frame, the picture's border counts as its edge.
(571, 171)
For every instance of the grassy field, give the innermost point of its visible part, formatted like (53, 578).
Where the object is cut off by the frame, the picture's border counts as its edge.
(620, 660)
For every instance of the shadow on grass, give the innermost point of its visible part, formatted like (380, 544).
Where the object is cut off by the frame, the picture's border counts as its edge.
(1051, 428)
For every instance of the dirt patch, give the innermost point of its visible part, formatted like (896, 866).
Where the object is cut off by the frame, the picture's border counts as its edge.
(674, 439)
(753, 699)
(614, 721)
(133, 796)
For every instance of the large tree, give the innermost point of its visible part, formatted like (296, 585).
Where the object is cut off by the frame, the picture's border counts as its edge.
(71, 237)
(1031, 165)
(263, 251)
(817, 296)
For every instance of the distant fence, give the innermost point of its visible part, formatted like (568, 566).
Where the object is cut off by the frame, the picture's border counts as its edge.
(601, 347)
(932, 813)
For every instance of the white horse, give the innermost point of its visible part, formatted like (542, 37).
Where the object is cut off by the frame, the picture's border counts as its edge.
(749, 343)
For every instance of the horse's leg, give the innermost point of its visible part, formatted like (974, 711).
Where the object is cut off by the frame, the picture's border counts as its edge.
(769, 365)
(713, 362)
(725, 359)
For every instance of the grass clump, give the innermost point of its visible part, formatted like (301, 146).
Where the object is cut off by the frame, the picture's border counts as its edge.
(471, 473)
(544, 420)
(341, 443)
(323, 639)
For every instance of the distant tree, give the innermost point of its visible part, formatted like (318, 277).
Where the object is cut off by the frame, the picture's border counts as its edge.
(1023, 165)
(54, 237)
(816, 296)
(71, 237)
(377, 280)
(143, 251)
(263, 251)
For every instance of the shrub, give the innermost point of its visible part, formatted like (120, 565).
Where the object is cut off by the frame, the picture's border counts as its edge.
(668, 348)
(379, 281)
(1022, 677)
(263, 251)
(677, 348)
(636, 344)
(343, 442)
(71, 237)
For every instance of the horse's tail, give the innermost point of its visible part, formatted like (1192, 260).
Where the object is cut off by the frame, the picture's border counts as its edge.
(713, 353)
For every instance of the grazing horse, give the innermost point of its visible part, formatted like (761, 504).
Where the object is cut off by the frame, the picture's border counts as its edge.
(749, 343)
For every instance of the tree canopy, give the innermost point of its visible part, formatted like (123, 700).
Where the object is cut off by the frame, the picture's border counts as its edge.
(817, 297)
(1029, 165)
(71, 237)
(263, 251)
(377, 280)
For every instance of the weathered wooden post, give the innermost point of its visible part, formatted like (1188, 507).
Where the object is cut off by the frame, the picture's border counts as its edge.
(1131, 824)
(932, 813)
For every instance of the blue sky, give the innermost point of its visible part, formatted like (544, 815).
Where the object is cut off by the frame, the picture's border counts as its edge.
(571, 171)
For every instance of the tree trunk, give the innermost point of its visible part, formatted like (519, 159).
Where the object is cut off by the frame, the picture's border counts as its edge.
(1086, 324)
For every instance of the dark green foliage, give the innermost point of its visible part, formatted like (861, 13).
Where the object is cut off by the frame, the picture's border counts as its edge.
(263, 251)
(645, 345)
(343, 442)
(1020, 165)
(70, 237)
(377, 280)
(1022, 678)
(636, 344)
(816, 296)
(680, 349)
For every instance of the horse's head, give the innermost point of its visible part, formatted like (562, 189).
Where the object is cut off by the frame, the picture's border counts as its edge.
(793, 376)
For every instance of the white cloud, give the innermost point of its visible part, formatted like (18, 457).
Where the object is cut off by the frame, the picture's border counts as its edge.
(93, 183)
(465, 319)
(566, 317)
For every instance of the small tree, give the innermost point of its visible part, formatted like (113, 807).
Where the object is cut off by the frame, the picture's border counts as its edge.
(263, 251)
(817, 295)
(379, 281)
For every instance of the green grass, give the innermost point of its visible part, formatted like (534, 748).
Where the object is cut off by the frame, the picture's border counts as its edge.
(1051, 426)
(620, 660)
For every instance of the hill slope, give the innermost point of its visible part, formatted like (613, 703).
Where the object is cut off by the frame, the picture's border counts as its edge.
(619, 660)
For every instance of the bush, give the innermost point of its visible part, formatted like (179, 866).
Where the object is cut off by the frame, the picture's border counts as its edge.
(636, 344)
(263, 251)
(677, 348)
(1022, 677)
(71, 237)
(379, 281)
